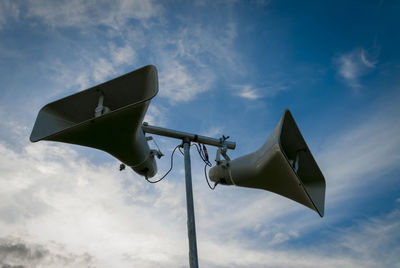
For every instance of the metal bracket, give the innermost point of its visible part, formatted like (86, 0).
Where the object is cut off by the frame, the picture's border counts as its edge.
(222, 151)
(100, 109)
(153, 152)
(157, 153)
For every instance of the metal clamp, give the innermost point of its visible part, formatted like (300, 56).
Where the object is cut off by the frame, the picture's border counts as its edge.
(100, 109)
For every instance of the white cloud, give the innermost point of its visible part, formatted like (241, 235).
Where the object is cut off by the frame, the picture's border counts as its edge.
(8, 10)
(87, 68)
(372, 241)
(84, 14)
(123, 55)
(353, 65)
(156, 115)
(346, 249)
(118, 220)
(102, 68)
(197, 40)
(58, 196)
(49, 192)
(87, 211)
(248, 92)
(189, 59)
(367, 62)
(17, 252)
(179, 83)
(213, 131)
(357, 156)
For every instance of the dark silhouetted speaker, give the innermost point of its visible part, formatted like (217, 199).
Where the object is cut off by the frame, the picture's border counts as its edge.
(283, 165)
(106, 117)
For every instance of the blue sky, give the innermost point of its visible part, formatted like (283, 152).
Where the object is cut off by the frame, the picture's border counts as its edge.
(225, 67)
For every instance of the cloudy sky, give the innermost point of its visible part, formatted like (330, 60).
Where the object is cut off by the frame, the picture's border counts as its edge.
(225, 68)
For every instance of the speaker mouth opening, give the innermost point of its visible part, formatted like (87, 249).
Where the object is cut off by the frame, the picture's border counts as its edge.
(302, 161)
(119, 94)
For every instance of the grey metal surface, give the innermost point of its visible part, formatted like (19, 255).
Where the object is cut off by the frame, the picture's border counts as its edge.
(115, 127)
(283, 165)
(180, 135)
(193, 261)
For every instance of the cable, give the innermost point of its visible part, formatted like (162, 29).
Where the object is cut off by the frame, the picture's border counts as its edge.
(207, 180)
(180, 150)
(204, 156)
(172, 164)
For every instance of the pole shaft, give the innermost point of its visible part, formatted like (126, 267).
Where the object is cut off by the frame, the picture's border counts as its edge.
(193, 261)
(181, 135)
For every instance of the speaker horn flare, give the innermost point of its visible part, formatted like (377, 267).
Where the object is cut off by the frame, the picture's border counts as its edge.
(107, 117)
(283, 165)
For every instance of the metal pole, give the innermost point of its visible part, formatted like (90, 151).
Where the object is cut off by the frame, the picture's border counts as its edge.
(181, 135)
(187, 138)
(190, 207)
